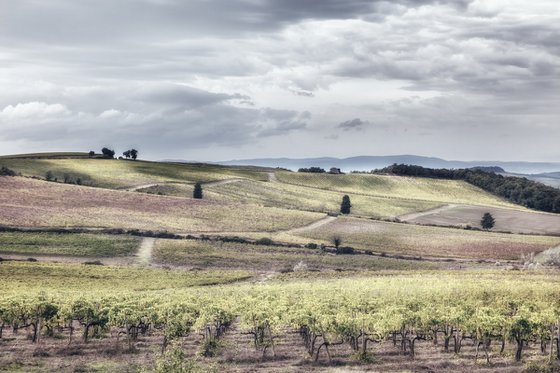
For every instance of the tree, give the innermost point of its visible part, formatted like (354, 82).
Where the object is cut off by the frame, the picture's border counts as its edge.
(336, 240)
(91, 154)
(49, 176)
(133, 154)
(345, 206)
(197, 192)
(487, 221)
(126, 154)
(108, 153)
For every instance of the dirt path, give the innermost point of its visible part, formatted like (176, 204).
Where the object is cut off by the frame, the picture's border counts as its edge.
(551, 253)
(272, 178)
(138, 187)
(221, 182)
(416, 215)
(111, 261)
(144, 254)
(319, 223)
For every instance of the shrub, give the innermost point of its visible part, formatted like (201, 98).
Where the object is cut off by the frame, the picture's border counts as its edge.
(5, 171)
(345, 250)
(312, 246)
(264, 241)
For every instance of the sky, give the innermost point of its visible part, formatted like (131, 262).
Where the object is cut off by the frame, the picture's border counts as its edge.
(213, 80)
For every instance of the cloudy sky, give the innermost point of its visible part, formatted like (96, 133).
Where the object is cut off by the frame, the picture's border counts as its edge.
(217, 79)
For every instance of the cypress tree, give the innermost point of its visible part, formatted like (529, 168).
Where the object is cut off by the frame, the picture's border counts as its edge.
(345, 206)
(197, 192)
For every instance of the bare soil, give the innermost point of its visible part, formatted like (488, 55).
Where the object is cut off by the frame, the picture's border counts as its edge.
(237, 353)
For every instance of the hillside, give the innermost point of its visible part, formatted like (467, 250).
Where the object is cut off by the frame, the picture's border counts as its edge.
(368, 163)
(260, 253)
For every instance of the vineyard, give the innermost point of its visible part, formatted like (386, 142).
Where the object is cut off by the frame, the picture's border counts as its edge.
(475, 317)
(128, 273)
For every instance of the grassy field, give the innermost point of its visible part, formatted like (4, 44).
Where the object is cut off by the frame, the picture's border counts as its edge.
(409, 239)
(112, 173)
(313, 199)
(29, 203)
(18, 277)
(397, 187)
(225, 255)
(44, 243)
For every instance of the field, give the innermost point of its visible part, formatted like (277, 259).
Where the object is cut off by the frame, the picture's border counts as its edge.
(45, 243)
(313, 199)
(397, 187)
(271, 259)
(29, 203)
(412, 239)
(506, 219)
(405, 331)
(112, 173)
(127, 273)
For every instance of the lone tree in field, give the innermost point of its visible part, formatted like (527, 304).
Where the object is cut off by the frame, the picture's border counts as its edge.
(197, 192)
(108, 153)
(91, 154)
(336, 241)
(345, 206)
(487, 221)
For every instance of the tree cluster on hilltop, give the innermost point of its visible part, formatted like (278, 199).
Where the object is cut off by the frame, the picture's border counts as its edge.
(316, 170)
(518, 190)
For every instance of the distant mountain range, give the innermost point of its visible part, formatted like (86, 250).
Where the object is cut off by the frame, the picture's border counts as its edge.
(367, 163)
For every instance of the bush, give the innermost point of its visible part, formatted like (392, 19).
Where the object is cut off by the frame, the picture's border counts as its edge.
(174, 360)
(264, 241)
(312, 246)
(49, 176)
(5, 171)
(345, 250)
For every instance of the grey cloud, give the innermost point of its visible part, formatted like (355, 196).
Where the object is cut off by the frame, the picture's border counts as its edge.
(178, 75)
(355, 124)
(184, 96)
(62, 22)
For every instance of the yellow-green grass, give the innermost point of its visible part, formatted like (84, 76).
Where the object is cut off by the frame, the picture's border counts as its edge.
(398, 187)
(113, 173)
(82, 244)
(313, 199)
(229, 255)
(408, 239)
(40, 276)
(48, 155)
(34, 203)
(170, 189)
